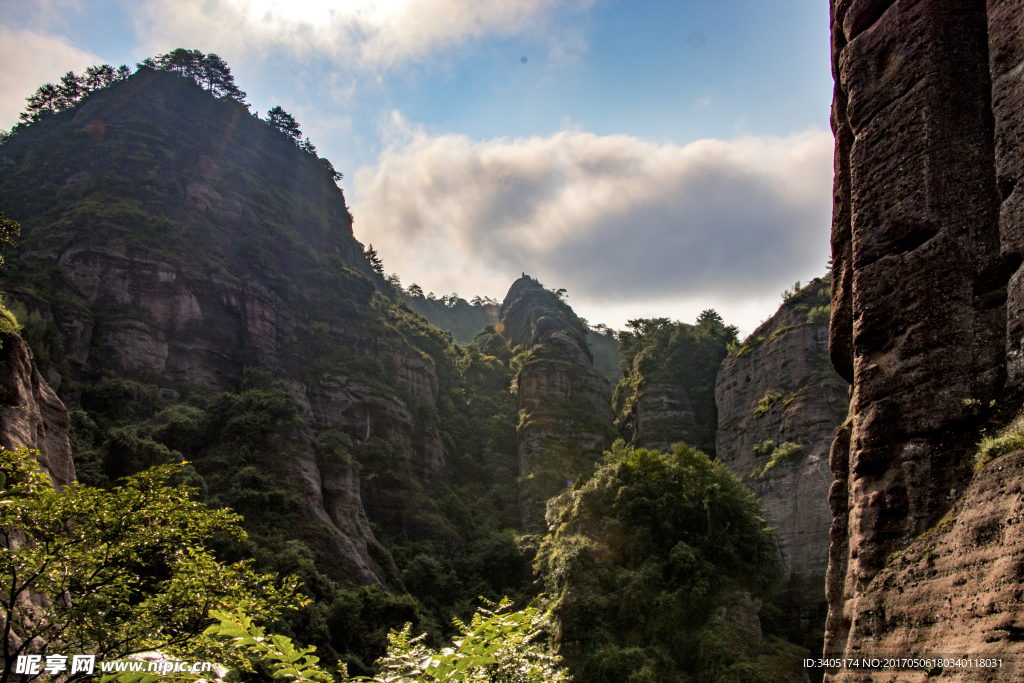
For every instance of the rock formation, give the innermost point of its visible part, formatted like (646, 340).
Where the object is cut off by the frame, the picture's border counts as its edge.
(189, 240)
(564, 404)
(668, 395)
(926, 310)
(779, 403)
(31, 415)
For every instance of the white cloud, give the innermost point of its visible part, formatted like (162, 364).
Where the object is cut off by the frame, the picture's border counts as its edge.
(368, 33)
(31, 59)
(617, 220)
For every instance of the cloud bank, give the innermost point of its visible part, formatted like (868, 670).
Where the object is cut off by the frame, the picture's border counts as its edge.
(31, 59)
(365, 33)
(614, 219)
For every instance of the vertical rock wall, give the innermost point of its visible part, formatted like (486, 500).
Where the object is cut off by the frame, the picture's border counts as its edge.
(926, 232)
(786, 358)
(31, 415)
(565, 414)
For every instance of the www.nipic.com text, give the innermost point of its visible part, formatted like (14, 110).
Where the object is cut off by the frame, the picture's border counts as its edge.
(86, 664)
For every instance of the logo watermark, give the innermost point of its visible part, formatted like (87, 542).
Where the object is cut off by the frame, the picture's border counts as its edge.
(33, 665)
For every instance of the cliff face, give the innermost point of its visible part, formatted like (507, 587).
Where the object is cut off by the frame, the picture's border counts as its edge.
(173, 239)
(926, 311)
(31, 415)
(668, 393)
(779, 403)
(565, 418)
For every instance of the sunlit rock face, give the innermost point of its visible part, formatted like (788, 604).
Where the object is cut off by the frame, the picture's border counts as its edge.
(565, 415)
(926, 312)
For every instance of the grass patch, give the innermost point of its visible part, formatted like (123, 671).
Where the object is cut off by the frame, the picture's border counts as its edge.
(785, 453)
(766, 403)
(820, 315)
(1006, 441)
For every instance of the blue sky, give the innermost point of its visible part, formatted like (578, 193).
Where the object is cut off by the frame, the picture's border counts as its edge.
(655, 158)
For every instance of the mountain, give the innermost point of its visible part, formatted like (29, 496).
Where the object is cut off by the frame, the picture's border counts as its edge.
(779, 404)
(926, 324)
(565, 418)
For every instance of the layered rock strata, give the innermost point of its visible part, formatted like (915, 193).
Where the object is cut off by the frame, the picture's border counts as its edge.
(926, 320)
(185, 240)
(565, 416)
(779, 403)
(31, 415)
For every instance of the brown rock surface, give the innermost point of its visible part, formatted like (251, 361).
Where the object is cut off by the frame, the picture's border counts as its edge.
(31, 415)
(790, 362)
(565, 414)
(926, 319)
(956, 590)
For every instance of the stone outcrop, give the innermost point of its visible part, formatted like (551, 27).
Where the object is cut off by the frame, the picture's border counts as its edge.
(565, 417)
(668, 393)
(229, 248)
(926, 301)
(31, 415)
(779, 388)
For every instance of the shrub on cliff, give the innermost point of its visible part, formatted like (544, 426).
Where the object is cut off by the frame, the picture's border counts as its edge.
(641, 557)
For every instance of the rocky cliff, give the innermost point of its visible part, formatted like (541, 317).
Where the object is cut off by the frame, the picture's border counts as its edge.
(926, 310)
(31, 415)
(668, 392)
(172, 238)
(565, 418)
(779, 403)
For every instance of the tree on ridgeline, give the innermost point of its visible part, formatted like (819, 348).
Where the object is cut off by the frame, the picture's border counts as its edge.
(376, 264)
(415, 290)
(51, 98)
(286, 123)
(209, 71)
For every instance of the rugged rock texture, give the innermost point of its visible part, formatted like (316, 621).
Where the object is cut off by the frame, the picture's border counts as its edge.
(1006, 65)
(779, 387)
(174, 239)
(565, 417)
(955, 590)
(31, 415)
(926, 228)
(668, 393)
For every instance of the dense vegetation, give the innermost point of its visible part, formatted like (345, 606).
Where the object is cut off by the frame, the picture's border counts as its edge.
(683, 357)
(641, 558)
(136, 561)
(269, 215)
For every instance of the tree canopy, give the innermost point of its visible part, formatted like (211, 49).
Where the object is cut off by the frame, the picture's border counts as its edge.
(641, 557)
(117, 572)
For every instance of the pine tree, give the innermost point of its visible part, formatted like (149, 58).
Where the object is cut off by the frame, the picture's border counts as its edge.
(284, 122)
(45, 100)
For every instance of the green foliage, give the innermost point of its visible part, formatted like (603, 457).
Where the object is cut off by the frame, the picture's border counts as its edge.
(9, 229)
(684, 356)
(640, 558)
(1005, 441)
(820, 315)
(453, 313)
(782, 454)
(135, 562)
(770, 398)
(498, 645)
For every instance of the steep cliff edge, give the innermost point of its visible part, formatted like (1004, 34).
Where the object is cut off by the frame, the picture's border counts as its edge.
(31, 415)
(926, 321)
(779, 403)
(565, 417)
(173, 239)
(668, 393)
